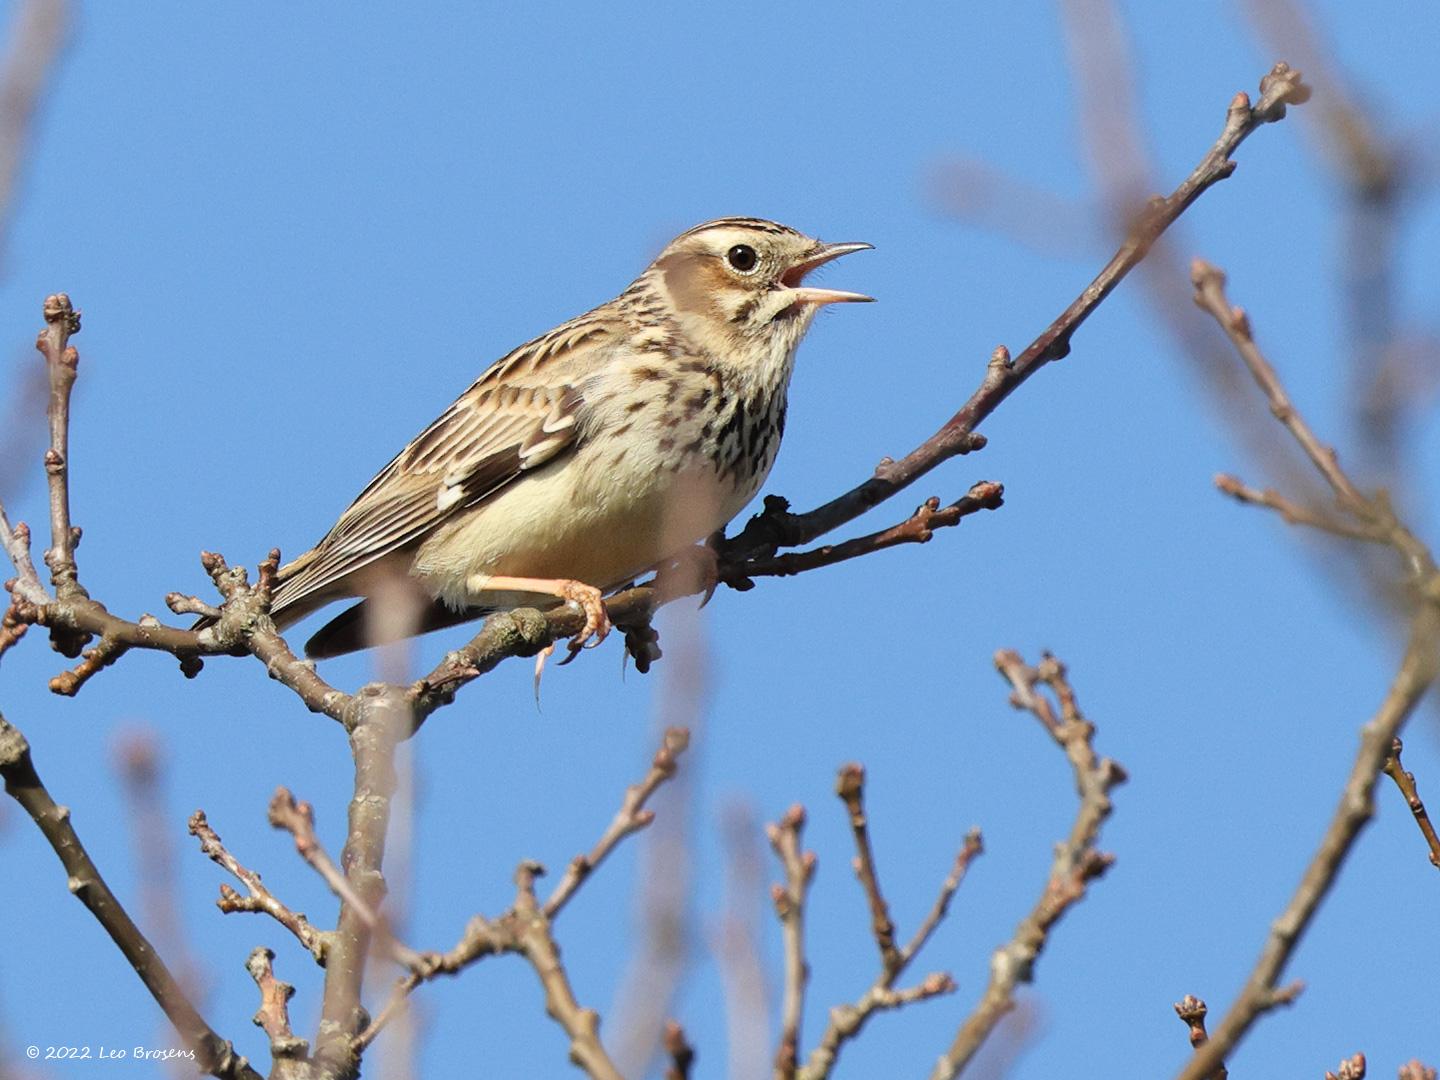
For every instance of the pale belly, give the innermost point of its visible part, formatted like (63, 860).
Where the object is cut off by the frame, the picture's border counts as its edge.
(590, 518)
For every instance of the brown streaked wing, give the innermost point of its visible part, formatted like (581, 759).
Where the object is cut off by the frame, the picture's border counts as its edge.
(518, 415)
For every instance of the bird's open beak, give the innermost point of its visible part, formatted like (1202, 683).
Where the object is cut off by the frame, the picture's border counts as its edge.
(822, 254)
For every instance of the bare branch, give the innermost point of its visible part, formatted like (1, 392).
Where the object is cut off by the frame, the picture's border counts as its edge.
(1192, 1012)
(510, 932)
(630, 818)
(61, 361)
(1406, 783)
(789, 900)
(918, 528)
(974, 845)
(847, 1021)
(850, 786)
(779, 528)
(1210, 296)
(1292, 513)
(380, 724)
(1077, 861)
(212, 1053)
(286, 1050)
(534, 942)
(260, 899)
(1418, 671)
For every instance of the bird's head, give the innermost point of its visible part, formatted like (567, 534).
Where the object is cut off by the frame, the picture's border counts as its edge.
(737, 285)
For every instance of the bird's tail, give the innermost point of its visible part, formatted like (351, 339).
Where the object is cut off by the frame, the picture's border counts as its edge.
(362, 626)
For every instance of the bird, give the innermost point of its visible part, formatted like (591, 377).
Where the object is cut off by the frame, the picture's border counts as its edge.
(585, 457)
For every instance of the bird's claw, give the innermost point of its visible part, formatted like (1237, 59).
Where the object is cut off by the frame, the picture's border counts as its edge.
(597, 621)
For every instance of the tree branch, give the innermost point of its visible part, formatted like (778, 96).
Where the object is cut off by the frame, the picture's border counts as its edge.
(1077, 860)
(1192, 1012)
(789, 900)
(1406, 783)
(1418, 671)
(213, 1054)
(260, 899)
(778, 528)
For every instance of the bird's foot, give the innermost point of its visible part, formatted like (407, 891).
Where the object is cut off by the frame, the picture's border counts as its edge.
(586, 597)
(597, 621)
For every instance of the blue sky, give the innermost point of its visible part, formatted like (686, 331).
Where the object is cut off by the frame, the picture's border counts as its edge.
(297, 235)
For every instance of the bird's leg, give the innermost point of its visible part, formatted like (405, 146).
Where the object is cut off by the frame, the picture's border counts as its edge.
(587, 597)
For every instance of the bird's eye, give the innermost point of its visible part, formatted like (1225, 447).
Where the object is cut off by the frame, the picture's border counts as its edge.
(742, 257)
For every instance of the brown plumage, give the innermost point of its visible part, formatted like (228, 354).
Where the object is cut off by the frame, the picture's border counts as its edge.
(584, 457)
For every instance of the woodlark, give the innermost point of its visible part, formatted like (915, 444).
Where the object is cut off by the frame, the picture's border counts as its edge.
(585, 457)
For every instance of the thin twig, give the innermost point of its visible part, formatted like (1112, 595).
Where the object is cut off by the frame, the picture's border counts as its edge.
(1077, 860)
(260, 899)
(918, 528)
(789, 900)
(1192, 1012)
(850, 786)
(1405, 781)
(536, 944)
(630, 818)
(973, 846)
(288, 1052)
(61, 361)
(847, 1021)
(1292, 513)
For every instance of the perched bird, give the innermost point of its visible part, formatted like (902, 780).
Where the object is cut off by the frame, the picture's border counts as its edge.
(586, 456)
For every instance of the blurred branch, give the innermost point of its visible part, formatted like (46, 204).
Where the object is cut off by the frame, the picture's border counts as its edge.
(680, 1052)
(1292, 513)
(1379, 177)
(213, 1054)
(737, 943)
(1406, 783)
(1077, 860)
(1418, 671)
(139, 762)
(1352, 1068)
(38, 34)
(661, 949)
